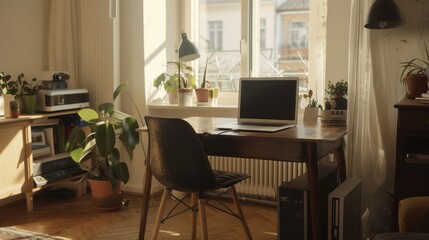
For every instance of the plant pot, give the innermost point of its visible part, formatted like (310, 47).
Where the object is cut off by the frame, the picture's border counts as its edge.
(104, 198)
(311, 114)
(14, 109)
(213, 96)
(202, 95)
(340, 103)
(7, 98)
(172, 97)
(416, 85)
(185, 97)
(29, 104)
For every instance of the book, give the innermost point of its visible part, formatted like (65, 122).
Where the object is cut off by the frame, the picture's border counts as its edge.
(423, 100)
(40, 151)
(425, 95)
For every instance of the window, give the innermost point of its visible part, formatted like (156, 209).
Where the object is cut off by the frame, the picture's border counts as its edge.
(263, 33)
(298, 35)
(257, 38)
(215, 35)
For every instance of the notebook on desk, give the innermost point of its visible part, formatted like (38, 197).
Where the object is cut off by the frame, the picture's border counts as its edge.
(266, 104)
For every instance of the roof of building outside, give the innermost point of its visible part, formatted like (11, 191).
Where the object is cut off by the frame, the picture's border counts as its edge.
(294, 5)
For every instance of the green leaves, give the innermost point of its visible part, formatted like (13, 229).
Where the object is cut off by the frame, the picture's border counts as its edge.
(105, 139)
(104, 127)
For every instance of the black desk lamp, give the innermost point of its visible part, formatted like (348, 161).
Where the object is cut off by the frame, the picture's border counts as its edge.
(187, 51)
(384, 14)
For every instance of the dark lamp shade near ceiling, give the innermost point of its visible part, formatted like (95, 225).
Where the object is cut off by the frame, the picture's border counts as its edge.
(187, 50)
(384, 14)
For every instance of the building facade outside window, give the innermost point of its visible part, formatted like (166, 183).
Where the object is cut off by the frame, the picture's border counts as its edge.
(215, 35)
(271, 35)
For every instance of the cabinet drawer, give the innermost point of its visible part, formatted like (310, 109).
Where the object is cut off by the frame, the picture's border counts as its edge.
(413, 120)
(413, 183)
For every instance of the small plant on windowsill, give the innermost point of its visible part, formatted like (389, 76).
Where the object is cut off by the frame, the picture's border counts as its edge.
(202, 92)
(170, 82)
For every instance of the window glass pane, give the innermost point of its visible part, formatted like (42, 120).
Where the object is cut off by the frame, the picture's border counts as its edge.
(286, 51)
(279, 46)
(219, 39)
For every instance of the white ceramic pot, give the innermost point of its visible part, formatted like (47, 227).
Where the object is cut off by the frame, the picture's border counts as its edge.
(7, 99)
(311, 114)
(185, 97)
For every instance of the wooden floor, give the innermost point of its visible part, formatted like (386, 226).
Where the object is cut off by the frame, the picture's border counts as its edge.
(76, 219)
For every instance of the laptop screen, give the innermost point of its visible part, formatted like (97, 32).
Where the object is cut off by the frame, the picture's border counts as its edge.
(268, 100)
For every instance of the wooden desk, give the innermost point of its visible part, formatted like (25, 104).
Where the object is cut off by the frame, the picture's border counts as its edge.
(305, 143)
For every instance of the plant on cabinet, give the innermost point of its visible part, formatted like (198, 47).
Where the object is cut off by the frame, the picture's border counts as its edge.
(107, 127)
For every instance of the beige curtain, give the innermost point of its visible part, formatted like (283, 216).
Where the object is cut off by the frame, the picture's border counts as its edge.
(372, 118)
(374, 89)
(62, 39)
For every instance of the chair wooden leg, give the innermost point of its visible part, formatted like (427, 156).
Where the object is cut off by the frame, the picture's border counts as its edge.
(160, 213)
(240, 213)
(194, 200)
(203, 221)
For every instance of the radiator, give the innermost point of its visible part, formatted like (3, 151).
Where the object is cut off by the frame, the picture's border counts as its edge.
(266, 175)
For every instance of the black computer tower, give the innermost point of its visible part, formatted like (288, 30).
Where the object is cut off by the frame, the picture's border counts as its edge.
(293, 211)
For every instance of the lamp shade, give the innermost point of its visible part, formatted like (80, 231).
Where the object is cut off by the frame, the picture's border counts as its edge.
(187, 50)
(384, 14)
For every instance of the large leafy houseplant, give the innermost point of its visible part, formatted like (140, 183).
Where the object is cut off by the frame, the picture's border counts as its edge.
(108, 127)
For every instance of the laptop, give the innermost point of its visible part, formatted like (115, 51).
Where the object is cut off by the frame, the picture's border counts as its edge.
(267, 104)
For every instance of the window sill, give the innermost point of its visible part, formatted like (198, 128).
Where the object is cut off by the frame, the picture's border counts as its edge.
(174, 110)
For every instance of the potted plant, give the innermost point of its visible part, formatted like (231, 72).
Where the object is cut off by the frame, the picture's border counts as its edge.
(170, 82)
(414, 76)
(202, 92)
(312, 110)
(335, 111)
(8, 91)
(107, 127)
(338, 92)
(28, 92)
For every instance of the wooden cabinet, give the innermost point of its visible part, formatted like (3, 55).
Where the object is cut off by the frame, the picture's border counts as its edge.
(412, 150)
(16, 161)
(15, 157)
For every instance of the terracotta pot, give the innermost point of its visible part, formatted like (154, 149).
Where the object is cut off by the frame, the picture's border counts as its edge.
(202, 95)
(104, 198)
(416, 85)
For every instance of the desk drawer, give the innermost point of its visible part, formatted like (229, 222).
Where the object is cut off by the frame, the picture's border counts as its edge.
(413, 120)
(413, 182)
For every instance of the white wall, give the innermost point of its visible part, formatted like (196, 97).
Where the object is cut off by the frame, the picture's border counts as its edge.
(337, 40)
(23, 37)
(132, 70)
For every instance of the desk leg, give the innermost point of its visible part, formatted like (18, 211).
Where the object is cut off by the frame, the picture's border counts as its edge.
(29, 198)
(313, 180)
(340, 158)
(145, 204)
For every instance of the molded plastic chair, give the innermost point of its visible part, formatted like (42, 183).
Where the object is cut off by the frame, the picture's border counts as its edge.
(178, 161)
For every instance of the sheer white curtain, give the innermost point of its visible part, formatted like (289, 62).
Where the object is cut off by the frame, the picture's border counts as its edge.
(62, 39)
(373, 91)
